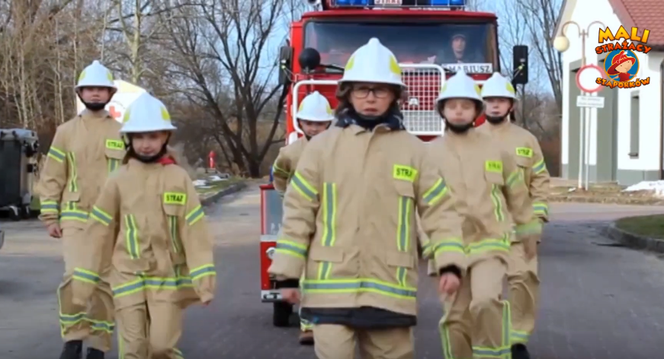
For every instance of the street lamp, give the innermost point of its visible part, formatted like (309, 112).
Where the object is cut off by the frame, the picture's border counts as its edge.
(561, 43)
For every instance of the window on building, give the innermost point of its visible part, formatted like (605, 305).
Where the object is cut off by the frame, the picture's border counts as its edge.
(635, 112)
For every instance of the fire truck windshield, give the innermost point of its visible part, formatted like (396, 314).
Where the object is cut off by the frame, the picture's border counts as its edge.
(453, 45)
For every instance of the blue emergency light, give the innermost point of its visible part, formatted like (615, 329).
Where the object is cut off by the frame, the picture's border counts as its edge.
(354, 2)
(448, 2)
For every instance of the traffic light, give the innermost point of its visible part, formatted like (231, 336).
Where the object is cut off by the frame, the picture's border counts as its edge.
(520, 65)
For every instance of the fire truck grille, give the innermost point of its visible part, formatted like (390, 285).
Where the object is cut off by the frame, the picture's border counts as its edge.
(424, 82)
(422, 122)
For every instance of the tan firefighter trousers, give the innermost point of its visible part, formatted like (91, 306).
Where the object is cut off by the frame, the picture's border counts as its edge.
(523, 284)
(150, 329)
(95, 323)
(339, 342)
(476, 323)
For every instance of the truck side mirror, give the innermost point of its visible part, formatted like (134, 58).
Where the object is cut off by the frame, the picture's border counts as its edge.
(520, 65)
(285, 64)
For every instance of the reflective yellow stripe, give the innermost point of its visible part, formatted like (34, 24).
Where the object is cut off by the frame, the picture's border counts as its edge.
(131, 237)
(173, 229)
(49, 207)
(202, 271)
(57, 154)
(358, 285)
(497, 203)
(519, 337)
(532, 227)
(195, 215)
(426, 249)
(302, 186)
(515, 178)
(277, 169)
(73, 173)
(436, 192)
(541, 209)
(101, 216)
(449, 245)
(539, 167)
(113, 164)
(144, 282)
(504, 351)
(403, 236)
(72, 213)
(445, 339)
(291, 248)
(329, 207)
(85, 275)
(489, 245)
(69, 320)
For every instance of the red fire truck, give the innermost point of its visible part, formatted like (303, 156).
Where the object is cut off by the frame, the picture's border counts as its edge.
(432, 39)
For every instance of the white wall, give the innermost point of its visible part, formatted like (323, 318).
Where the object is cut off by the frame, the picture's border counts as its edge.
(649, 117)
(584, 13)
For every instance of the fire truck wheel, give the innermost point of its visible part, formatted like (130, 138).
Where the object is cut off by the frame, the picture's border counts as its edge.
(281, 314)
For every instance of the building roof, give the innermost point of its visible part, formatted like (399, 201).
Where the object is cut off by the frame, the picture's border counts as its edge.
(644, 14)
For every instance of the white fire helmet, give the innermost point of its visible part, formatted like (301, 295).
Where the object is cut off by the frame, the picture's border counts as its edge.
(459, 86)
(373, 63)
(498, 86)
(316, 108)
(96, 75)
(146, 114)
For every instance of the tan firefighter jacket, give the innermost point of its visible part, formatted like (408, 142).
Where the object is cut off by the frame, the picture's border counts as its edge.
(489, 191)
(349, 219)
(84, 151)
(526, 150)
(150, 217)
(286, 162)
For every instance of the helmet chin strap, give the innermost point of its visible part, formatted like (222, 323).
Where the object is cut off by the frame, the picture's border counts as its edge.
(148, 159)
(459, 128)
(495, 120)
(93, 106)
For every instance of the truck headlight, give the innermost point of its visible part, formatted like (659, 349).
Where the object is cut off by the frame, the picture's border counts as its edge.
(270, 252)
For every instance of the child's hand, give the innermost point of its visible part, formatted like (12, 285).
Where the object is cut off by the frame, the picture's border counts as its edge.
(291, 295)
(206, 299)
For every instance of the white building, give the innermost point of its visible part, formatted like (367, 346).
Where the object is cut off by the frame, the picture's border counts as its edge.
(626, 136)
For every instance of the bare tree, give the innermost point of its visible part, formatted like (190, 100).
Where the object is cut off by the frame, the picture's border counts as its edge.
(223, 57)
(541, 16)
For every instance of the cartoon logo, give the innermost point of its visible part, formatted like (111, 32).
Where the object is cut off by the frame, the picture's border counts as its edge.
(622, 63)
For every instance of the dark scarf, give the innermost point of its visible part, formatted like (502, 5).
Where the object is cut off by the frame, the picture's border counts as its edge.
(392, 119)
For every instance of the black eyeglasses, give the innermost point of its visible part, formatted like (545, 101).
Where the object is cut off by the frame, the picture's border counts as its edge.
(363, 92)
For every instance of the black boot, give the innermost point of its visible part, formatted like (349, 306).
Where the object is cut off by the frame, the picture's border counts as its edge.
(519, 351)
(72, 349)
(94, 354)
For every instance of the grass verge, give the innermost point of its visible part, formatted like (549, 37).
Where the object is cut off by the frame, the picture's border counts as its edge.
(647, 226)
(218, 186)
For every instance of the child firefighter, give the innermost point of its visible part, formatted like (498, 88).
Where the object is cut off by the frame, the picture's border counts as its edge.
(149, 217)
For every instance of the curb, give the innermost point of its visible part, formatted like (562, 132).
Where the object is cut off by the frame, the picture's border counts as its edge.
(603, 200)
(225, 192)
(632, 240)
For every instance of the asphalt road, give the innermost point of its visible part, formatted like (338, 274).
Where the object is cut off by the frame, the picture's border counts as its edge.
(599, 300)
